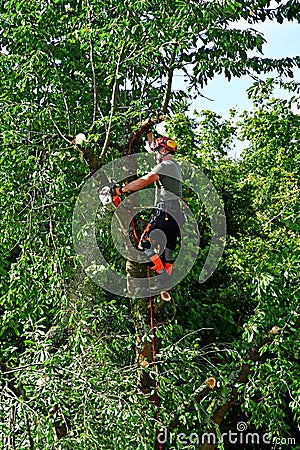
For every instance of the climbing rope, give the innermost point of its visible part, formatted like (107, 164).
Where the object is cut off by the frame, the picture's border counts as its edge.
(153, 335)
(152, 326)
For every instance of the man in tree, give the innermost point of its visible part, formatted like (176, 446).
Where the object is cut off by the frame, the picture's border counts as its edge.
(167, 216)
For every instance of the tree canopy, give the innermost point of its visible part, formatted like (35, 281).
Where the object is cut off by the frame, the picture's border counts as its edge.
(99, 66)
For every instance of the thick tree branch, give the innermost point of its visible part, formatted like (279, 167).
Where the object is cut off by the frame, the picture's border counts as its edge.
(89, 157)
(30, 440)
(189, 404)
(222, 410)
(220, 413)
(145, 127)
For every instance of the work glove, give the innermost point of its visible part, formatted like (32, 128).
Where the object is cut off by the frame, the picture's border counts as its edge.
(116, 194)
(115, 190)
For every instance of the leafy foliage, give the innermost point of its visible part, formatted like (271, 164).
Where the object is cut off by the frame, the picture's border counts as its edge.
(67, 357)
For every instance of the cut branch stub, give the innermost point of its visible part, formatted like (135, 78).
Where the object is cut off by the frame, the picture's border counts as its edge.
(211, 382)
(189, 404)
(144, 127)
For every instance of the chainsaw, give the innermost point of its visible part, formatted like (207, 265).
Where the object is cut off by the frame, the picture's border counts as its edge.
(109, 193)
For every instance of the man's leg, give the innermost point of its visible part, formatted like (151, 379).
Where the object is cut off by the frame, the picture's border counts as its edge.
(171, 230)
(162, 265)
(168, 225)
(147, 245)
(172, 235)
(169, 261)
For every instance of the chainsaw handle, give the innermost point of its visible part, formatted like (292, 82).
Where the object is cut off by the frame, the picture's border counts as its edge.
(110, 193)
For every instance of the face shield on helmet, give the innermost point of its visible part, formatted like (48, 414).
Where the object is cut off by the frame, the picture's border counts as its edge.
(164, 142)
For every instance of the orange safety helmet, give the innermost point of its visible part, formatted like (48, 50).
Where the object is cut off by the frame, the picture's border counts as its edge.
(165, 142)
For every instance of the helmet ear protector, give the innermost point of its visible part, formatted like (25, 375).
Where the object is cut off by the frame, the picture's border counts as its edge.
(165, 142)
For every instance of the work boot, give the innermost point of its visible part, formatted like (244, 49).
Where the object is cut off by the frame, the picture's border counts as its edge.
(169, 268)
(157, 263)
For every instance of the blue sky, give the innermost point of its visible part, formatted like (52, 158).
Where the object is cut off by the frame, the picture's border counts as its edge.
(282, 40)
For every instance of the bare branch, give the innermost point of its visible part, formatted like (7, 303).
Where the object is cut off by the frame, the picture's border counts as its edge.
(145, 84)
(169, 81)
(92, 60)
(61, 89)
(57, 128)
(113, 104)
(12, 427)
(20, 368)
(30, 440)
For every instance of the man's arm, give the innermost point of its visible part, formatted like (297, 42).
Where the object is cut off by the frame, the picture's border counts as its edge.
(138, 184)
